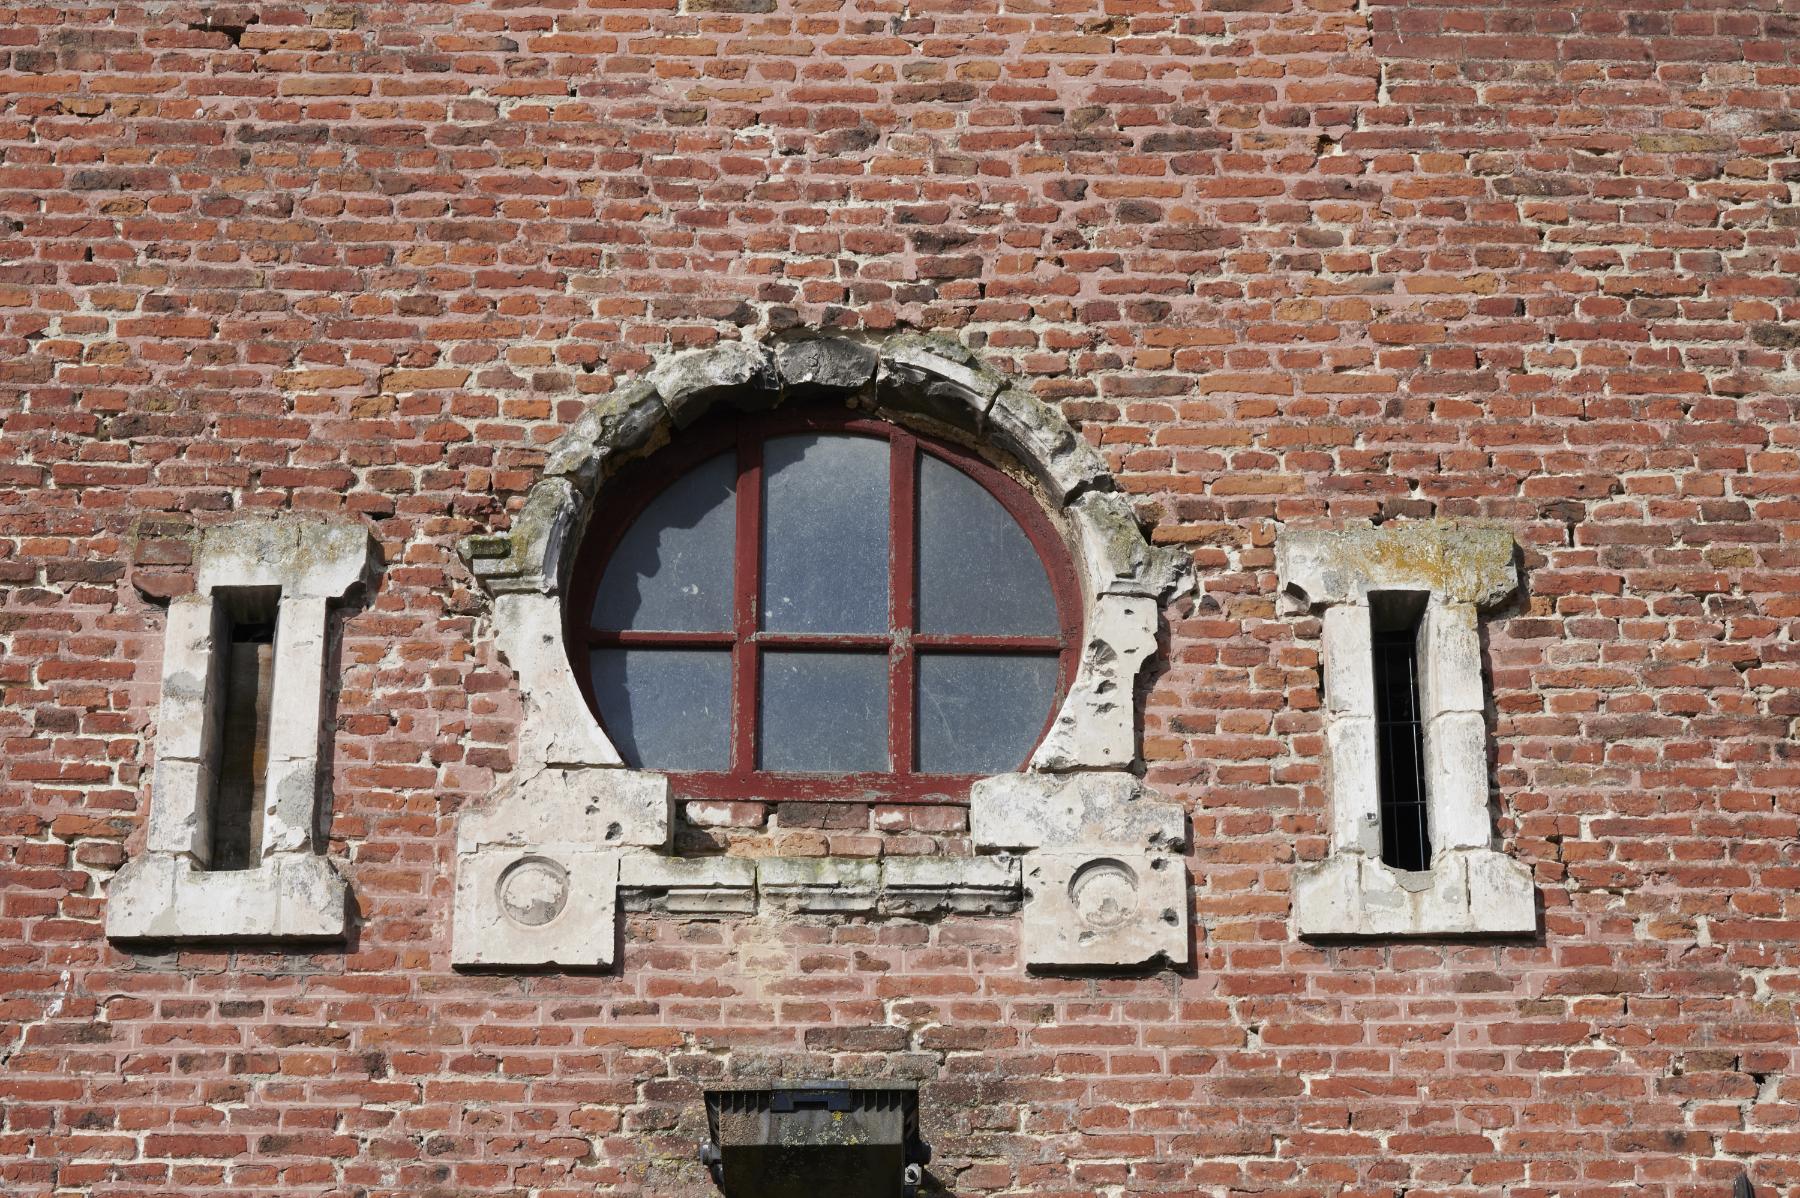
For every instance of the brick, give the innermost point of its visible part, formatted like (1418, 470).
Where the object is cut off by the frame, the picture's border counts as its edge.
(1280, 263)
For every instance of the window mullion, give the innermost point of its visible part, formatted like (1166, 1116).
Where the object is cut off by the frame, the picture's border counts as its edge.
(903, 543)
(746, 598)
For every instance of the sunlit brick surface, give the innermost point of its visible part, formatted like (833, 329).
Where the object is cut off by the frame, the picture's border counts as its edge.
(1516, 260)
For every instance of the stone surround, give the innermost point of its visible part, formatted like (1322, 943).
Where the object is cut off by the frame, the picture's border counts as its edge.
(1471, 887)
(608, 829)
(168, 891)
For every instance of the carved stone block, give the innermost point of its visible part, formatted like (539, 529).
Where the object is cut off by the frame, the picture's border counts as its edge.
(547, 905)
(1105, 909)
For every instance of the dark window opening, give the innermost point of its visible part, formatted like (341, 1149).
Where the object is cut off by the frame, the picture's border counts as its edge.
(244, 716)
(1399, 729)
(816, 1140)
(833, 606)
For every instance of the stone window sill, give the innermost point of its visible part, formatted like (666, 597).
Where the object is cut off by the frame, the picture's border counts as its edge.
(1466, 892)
(289, 897)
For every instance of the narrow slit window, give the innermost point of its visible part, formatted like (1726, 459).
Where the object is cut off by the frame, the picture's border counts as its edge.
(1399, 730)
(244, 715)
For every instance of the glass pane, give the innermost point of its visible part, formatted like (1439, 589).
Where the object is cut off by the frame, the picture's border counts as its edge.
(979, 574)
(981, 713)
(825, 534)
(666, 709)
(824, 712)
(672, 570)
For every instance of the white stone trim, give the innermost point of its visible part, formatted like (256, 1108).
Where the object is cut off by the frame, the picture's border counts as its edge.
(908, 378)
(581, 890)
(167, 892)
(1093, 908)
(1076, 828)
(1471, 887)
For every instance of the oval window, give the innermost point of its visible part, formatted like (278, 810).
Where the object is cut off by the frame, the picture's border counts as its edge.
(823, 607)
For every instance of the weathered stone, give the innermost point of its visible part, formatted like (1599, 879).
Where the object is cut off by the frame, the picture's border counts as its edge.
(620, 425)
(1037, 811)
(537, 906)
(1450, 660)
(539, 539)
(1349, 665)
(485, 547)
(1096, 727)
(557, 728)
(186, 723)
(942, 371)
(966, 885)
(717, 885)
(690, 383)
(314, 899)
(1048, 445)
(1353, 774)
(583, 807)
(162, 896)
(826, 364)
(1456, 777)
(943, 346)
(1087, 909)
(1117, 558)
(301, 556)
(187, 728)
(291, 784)
(841, 884)
(1459, 563)
(180, 810)
(1466, 892)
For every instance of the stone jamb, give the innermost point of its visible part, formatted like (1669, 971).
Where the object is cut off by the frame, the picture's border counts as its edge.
(1471, 887)
(568, 768)
(168, 892)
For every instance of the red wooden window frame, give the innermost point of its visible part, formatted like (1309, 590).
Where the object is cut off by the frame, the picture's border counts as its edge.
(747, 640)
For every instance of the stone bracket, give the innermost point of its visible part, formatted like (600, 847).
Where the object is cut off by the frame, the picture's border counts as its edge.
(1105, 883)
(548, 904)
(1105, 907)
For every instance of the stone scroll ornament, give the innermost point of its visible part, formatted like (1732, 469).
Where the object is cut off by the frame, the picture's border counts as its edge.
(1090, 854)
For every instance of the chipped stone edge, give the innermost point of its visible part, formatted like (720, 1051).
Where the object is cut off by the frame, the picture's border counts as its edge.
(1125, 578)
(292, 893)
(1472, 889)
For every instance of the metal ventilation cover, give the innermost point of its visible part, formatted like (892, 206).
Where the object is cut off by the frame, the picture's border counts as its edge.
(815, 1140)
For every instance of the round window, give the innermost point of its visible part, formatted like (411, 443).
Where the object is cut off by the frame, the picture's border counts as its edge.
(818, 607)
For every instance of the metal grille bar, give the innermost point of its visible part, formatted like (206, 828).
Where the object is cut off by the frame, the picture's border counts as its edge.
(1400, 736)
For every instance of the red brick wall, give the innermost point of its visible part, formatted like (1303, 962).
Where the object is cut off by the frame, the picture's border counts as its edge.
(1528, 261)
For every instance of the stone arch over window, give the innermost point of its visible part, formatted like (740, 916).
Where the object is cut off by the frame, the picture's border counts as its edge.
(1075, 837)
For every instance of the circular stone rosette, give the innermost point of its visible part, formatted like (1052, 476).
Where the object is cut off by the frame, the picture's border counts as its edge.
(1104, 894)
(533, 891)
